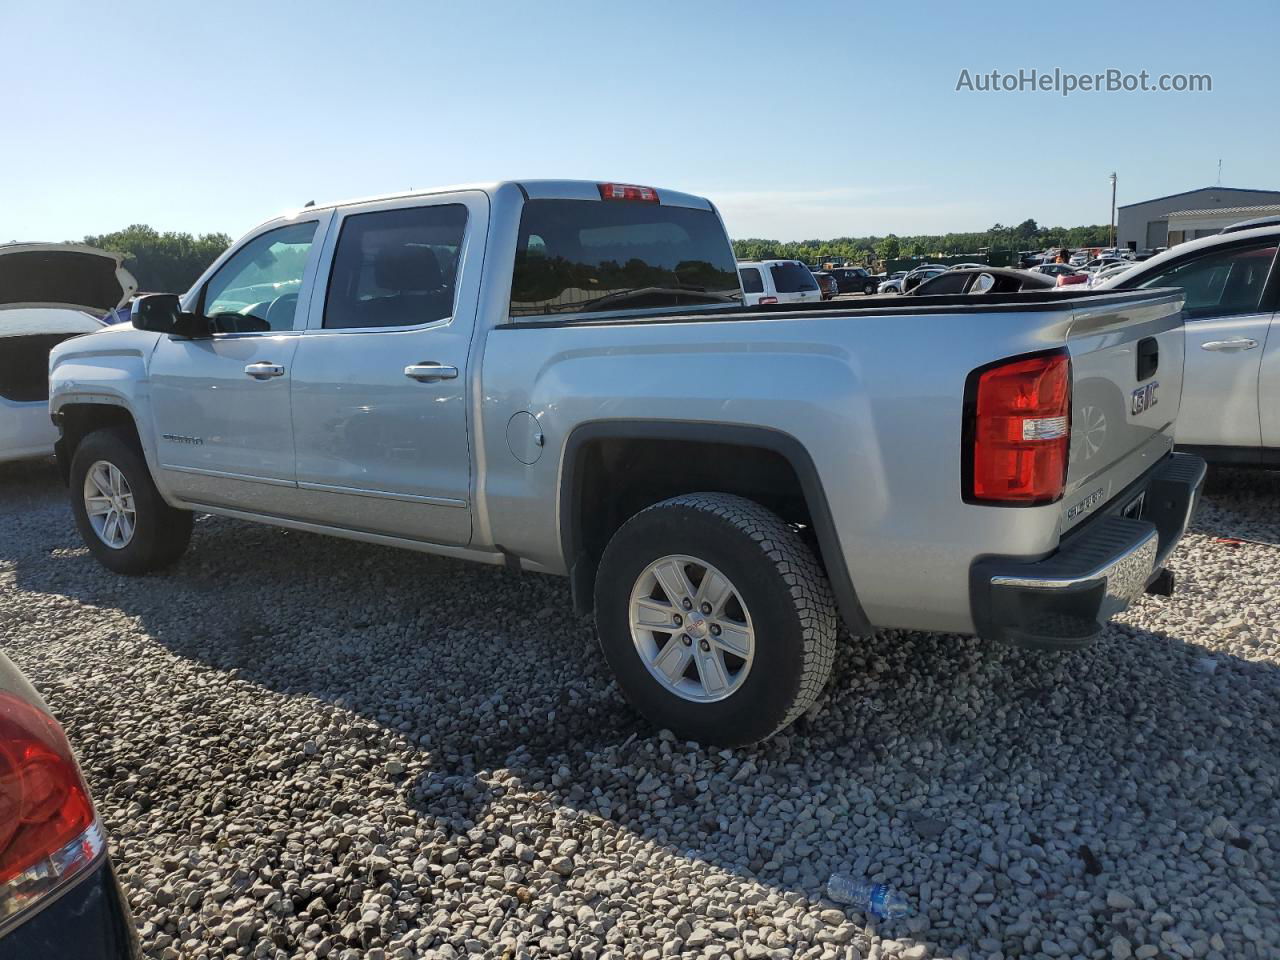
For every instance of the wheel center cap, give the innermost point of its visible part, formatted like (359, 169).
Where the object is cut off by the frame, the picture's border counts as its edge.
(696, 625)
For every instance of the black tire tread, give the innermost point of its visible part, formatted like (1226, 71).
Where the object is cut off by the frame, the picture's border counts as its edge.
(799, 569)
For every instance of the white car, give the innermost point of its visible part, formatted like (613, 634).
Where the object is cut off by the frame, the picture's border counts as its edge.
(1096, 277)
(777, 281)
(1101, 263)
(49, 292)
(1231, 394)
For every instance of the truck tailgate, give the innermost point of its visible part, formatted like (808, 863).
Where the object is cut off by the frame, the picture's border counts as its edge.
(1126, 361)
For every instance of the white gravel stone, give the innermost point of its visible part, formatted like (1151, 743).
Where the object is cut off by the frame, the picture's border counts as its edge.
(304, 747)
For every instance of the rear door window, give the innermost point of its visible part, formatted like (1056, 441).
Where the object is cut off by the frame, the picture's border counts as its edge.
(792, 278)
(752, 282)
(587, 256)
(395, 268)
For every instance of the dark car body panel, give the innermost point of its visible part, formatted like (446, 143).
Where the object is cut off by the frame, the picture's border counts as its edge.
(90, 920)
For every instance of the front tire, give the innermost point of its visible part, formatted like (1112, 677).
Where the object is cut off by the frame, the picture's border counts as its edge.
(121, 516)
(869, 289)
(716, 618)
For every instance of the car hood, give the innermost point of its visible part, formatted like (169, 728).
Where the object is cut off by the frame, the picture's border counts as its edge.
(62, 275)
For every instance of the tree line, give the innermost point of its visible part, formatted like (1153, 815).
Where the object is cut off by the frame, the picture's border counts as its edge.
(1027, 235)
(171, 261)
(166, 262)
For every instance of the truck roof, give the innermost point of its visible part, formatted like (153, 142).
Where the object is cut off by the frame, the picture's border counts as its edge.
(532, 190)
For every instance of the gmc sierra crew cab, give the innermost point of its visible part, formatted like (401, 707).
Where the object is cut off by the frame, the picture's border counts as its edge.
(561, 377)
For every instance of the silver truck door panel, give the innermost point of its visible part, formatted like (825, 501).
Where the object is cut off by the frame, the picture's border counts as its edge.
(1220, 397)
(223, 432)
(380, 412)
(223, 436)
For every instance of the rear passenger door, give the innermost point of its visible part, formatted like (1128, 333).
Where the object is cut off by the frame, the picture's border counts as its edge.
(380, 378)
(1227, 319)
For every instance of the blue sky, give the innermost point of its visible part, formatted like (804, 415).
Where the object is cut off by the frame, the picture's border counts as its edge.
(800, 122)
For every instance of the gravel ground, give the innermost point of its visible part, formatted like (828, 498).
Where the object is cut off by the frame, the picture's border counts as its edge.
(306, 747)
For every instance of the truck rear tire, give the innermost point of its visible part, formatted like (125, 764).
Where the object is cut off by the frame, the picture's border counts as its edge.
(124, 521)
(716, 618)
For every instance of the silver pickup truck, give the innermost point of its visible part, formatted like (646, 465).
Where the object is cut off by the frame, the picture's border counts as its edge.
(561, 377)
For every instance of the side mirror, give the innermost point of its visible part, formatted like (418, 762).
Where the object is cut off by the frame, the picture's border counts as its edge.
(162, 313)
(157, 312)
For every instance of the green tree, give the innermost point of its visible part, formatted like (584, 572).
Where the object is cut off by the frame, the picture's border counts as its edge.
(888, 248)
(167, 262)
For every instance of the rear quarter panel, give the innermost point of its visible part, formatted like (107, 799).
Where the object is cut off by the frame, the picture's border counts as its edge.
(876, 399)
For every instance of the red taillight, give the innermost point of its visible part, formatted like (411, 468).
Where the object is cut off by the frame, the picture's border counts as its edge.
(628, 191)
(47, 825)
(764, 300)
(1067, 279)
(1020, 431)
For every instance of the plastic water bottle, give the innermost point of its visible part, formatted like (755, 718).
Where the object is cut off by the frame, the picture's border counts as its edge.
(873, 898)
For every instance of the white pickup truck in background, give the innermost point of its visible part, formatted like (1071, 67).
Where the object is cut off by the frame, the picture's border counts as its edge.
(561, 377)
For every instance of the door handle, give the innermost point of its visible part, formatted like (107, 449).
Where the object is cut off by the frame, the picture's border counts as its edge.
(430, 372)
(264, 371)
(1219, 345)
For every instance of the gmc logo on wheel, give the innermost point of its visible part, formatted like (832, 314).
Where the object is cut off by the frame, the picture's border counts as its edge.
(1144, 398)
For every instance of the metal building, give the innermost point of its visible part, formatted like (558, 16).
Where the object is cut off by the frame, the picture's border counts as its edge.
(1193, 224)
(1145, 225)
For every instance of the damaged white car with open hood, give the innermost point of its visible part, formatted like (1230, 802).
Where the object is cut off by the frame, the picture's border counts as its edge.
(49, 292)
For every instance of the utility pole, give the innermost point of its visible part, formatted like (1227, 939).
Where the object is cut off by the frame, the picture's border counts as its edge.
(1112, 241)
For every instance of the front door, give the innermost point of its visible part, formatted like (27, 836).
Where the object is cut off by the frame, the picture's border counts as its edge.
(221, 406)
(380, 378)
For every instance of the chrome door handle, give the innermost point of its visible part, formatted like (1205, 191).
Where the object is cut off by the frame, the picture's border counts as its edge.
(264, 371)
(1240, 344)
(430, 372)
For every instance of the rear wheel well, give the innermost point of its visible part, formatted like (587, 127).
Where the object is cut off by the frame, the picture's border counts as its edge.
(619, 477)
(78, 420)
(615, 470)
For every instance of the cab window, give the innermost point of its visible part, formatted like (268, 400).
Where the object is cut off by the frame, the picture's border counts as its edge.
(256, 290)
(751, 281)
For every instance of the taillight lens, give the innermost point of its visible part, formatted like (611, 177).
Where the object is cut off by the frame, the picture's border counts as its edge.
(1020, 431)
(48, 829)
(764, 300)
(628, 191)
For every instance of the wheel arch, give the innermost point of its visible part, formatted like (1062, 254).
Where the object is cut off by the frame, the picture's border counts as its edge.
(77, 418)
(758, 456)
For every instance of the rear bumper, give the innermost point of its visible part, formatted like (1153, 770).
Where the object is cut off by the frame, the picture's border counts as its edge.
(1063, 601)
(90, 920)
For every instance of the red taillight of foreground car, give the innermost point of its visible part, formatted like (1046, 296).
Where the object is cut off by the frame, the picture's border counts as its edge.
(1018, 431)
(1069, 279)
(47, 825)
